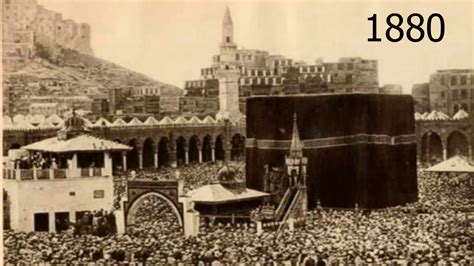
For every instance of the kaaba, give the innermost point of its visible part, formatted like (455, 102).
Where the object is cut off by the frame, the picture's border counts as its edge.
(360, 148)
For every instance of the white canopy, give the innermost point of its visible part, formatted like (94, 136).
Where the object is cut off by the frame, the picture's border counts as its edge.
(217, 193)
(461, 114)
(119, 122)
(166, 121)
(456, 164)
(101, 122)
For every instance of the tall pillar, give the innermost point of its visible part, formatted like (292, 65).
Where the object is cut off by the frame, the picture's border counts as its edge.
(140, 157)
(428, 142)
(51, 222)
(200, 153)
(172, 155)
(469, 151)
(155, 155)
(124, 160)
(72, 216)
(227, 148)
(445, 154)
(186, 156)
(213, 152)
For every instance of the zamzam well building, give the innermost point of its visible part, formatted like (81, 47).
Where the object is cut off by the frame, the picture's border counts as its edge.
(260, 73)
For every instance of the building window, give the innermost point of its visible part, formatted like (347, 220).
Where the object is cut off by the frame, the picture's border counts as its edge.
(340, 67)
(227, 39)
(349, 78)
(455, 94)
(99, 194)
(443, 94)
(443, 80)
(463, 94)
(72, 193)
(350, 66)
(463, 80)
(237, 57)
(453, 80)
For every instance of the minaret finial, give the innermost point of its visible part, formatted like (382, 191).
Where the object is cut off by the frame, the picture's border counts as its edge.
(296, 149)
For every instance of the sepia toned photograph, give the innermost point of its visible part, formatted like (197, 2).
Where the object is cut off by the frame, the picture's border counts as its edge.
(160, 132)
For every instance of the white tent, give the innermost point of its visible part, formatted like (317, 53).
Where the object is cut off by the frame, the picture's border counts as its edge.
(437, 116)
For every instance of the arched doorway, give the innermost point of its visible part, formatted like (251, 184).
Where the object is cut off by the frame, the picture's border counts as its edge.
(6, 210)
(207, 149)
(220, 153)
(194, 149)
(163, 152)
(457, 144)
(434, 147)
(14, 146)
(132, 155)
(237, 147)
(148, 153)
(152, 208)
(180, 150)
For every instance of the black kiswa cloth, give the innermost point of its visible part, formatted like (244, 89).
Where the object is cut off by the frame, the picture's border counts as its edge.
(360, 147)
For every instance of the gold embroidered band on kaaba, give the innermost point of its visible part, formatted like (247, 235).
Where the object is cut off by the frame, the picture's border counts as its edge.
(332, 142)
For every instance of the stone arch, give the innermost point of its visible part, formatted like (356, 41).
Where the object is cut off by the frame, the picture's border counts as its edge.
(434, 147)
(15, 146)
(181, 147)
(237, 142)
(207, 148)
(163, 152)
(219, 148)
(194, 144)
(132, 155)
(149, 153)
(132, 210)
(457, 144)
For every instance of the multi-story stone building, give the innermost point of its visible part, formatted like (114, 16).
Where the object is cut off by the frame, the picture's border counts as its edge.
(448, 91)
(421, 96)
(260, 73)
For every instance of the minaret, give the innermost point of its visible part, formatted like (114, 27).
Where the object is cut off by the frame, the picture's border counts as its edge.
(227, 28)
(228, 74)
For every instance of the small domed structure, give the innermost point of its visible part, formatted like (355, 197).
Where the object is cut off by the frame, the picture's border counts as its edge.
(73, 126)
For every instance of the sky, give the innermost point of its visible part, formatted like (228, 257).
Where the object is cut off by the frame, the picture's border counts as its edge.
(171, 41)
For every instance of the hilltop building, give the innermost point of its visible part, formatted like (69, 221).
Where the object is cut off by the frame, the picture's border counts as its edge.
(448, 91)
(26, 23)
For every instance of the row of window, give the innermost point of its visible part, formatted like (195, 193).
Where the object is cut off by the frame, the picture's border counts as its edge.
(456, 80)
(456, 94)
(311, 69)
(261, 81)
(147, 91)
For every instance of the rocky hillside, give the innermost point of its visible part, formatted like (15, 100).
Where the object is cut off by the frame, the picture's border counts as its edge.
(68, 72)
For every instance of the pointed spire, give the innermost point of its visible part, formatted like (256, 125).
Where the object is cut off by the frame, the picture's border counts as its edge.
(296, 149)
(227, 17)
